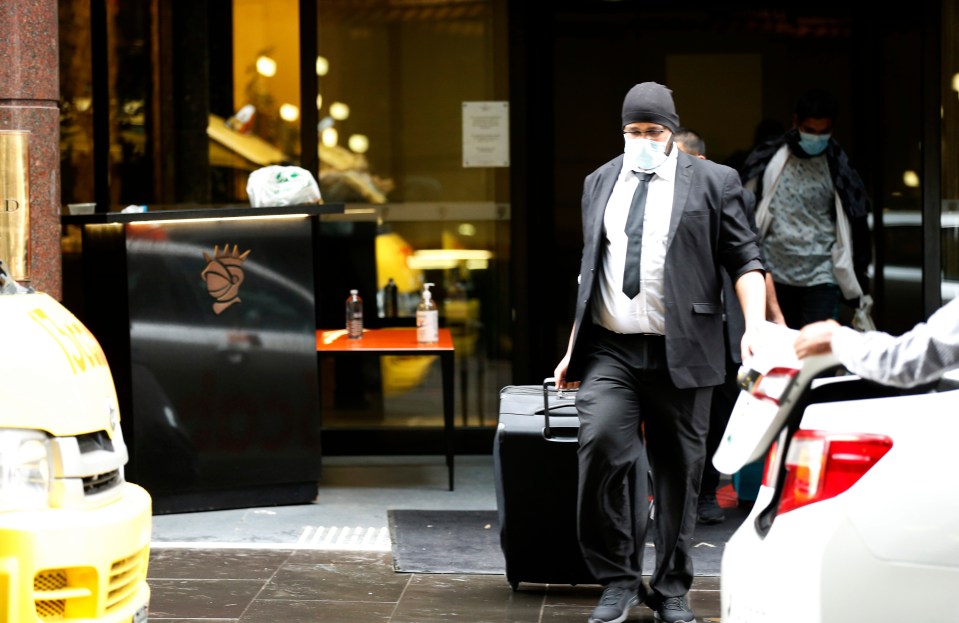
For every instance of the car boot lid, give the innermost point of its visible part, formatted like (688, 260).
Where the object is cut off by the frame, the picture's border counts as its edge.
(756, 421)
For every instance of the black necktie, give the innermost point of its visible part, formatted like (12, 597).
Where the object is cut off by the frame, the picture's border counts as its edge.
(634, 233)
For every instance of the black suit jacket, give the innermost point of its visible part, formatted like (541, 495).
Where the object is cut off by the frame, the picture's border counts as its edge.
(735, 323)
(708, 232)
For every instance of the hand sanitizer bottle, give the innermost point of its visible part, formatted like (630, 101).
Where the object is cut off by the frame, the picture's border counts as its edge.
(427, 318)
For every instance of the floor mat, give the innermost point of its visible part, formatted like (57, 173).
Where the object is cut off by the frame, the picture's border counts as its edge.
(444, 541)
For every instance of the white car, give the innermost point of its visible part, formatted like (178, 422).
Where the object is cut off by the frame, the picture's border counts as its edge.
(857, 518)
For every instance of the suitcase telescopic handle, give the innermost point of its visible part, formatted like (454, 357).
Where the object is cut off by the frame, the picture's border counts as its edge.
(547, 383)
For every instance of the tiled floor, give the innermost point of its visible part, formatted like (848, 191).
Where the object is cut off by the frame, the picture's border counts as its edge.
(292, 586)
(264, 565)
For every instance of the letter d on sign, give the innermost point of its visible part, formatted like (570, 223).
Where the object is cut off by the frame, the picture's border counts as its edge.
(15, 202)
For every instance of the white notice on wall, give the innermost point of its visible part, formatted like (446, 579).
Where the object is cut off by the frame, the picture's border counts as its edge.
(485, 134)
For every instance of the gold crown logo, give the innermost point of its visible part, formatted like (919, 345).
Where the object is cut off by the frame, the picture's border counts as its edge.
(223, 275)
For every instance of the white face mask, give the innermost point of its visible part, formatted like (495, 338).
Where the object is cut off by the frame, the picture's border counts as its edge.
(645, 154)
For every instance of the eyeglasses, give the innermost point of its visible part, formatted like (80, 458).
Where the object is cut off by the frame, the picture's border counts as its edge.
(651, 134)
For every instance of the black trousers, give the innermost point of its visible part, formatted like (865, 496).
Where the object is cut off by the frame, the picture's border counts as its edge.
(804, 304)
(634, 421)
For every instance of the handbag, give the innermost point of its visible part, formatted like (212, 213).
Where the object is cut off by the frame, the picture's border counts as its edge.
(842, 257)
(862, 318)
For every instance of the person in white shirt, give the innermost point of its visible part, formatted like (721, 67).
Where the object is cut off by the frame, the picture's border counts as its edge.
(918, 356)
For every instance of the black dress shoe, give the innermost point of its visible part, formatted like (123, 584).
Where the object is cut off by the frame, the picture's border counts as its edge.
(708, 510)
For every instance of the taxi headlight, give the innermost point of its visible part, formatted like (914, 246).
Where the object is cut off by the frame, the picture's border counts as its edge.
(24, 470)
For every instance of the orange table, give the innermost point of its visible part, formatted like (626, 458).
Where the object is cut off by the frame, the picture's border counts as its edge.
(401, 341)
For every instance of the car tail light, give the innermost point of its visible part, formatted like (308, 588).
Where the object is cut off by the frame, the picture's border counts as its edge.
(769, 386)
(771, 466)
(821, 465)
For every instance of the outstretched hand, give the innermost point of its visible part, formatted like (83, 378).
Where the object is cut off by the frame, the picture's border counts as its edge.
(815, 338)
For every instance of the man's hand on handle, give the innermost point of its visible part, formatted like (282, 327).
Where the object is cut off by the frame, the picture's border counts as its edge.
(560, 375)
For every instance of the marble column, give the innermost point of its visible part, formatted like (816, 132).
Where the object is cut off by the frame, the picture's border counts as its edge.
(29, 101)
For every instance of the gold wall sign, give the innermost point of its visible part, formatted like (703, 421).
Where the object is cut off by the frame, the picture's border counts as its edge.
(224, 275)
(15, 203)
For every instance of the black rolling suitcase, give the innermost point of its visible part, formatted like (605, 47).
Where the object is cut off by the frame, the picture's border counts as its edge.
(536, 473)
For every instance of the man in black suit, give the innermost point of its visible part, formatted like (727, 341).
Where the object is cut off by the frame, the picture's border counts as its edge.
(647, 347)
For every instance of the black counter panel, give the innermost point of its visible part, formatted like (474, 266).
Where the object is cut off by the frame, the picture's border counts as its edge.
(209, 327)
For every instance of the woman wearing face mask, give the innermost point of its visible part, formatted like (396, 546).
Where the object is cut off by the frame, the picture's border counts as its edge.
(811, 212)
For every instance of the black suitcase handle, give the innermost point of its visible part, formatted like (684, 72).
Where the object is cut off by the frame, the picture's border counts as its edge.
(547, 432)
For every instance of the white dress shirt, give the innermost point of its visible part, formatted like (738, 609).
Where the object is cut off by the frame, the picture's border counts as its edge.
(915, 357)
(644, 313)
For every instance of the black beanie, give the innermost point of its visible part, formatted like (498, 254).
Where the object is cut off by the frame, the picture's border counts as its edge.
(650, 102)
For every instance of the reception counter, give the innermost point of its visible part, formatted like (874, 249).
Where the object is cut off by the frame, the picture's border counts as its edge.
(208, 319)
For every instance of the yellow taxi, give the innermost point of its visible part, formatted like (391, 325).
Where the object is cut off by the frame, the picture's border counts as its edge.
(74, 535)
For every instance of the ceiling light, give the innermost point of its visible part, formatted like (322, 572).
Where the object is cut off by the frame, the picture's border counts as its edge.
(289, 112)
(266, 66)
(330, 137)
(339, 111)
(359, 143)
